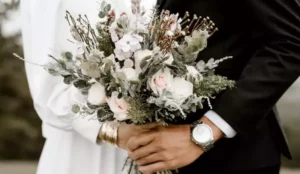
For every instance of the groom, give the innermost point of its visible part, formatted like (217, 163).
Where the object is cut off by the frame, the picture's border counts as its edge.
(242, 134)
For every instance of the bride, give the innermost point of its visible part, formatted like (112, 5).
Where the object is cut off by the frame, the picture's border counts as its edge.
(71, 146)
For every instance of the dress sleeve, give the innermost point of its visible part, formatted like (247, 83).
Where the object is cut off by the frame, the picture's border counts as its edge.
(52, 98)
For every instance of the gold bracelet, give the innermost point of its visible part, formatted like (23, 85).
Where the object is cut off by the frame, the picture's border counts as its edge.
(109, 132)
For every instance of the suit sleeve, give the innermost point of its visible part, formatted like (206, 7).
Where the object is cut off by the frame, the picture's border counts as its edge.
(270, 71)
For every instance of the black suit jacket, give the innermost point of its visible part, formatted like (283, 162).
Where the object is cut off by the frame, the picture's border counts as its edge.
(263, 36)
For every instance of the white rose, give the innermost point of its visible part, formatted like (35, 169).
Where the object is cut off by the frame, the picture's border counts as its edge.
(118, 106)
(181, 89)
(139, 56)
(96, 94)
(161, 80)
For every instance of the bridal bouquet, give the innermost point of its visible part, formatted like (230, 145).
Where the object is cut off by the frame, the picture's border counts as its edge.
(139, 69)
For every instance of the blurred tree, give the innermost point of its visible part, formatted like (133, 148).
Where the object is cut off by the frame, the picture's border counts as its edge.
(20, 127)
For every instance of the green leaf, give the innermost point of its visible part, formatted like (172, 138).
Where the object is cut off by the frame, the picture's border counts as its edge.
(63, 64)
(75, 109)
(164, 59)
(154, 70)
(120, 95)
(69, 79)
(108, 66)
(68, 55)
(92, 106)
(107, 8)
(119, 25)
(176, 55)
(142, 76)
(53, 72)
(104, 114)
(80, 84)
(103, 4)
(102, 14)
(144, 61)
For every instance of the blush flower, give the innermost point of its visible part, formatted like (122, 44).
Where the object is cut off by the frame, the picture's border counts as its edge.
(180, 88)
(118, 106)
(162, 80)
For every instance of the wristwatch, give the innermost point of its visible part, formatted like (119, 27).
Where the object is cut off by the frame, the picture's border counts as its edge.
(202, 135)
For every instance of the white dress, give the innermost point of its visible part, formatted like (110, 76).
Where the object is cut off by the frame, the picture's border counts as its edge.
(71, 146)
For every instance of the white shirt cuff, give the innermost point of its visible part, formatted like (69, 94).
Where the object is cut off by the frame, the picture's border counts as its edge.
(221, 124)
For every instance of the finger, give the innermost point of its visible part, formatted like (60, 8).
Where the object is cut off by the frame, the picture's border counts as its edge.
(143, 151)
(152, 168)
(150, 126)
(150, 159)
(140, 140)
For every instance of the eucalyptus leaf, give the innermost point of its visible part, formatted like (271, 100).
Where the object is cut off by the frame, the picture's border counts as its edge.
(107, 8)
(107, 67)
(75, 109)
(176, 55)
(92, 106)
(102, 14)
(181, 49)
(164, 59)
(104, 115)
(68, 56)
(63, 64)
(119, 25)
(154, 70)
(103, 4)
(144, 61)
(69, 79)
(80, 84)
(120, 95)
(53, 72)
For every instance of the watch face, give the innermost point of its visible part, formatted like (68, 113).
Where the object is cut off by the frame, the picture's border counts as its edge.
(202, 134)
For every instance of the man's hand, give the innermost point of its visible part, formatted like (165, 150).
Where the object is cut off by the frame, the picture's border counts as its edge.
(126, 131)
(166, 148)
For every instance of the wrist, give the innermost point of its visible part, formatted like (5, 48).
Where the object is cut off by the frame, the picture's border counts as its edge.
(217, 133)
(205, 133)
(109, 132)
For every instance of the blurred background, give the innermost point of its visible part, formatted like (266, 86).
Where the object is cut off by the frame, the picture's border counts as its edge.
(20, 127)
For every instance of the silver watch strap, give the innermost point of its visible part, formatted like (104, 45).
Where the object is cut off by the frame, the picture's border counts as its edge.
(208, 146)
